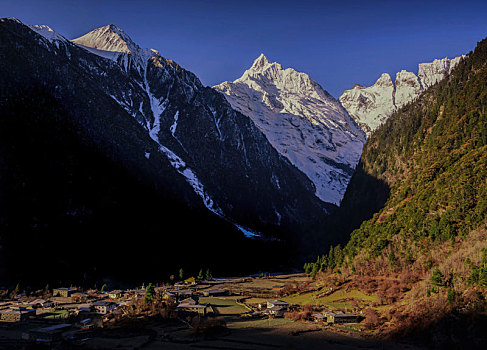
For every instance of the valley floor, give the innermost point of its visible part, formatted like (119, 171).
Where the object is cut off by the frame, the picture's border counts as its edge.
(245, 328)
(237, 318)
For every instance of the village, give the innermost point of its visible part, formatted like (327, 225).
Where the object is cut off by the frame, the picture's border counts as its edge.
(216, 313)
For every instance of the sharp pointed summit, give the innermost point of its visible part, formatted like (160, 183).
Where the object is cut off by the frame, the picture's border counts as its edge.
(108, 38)
(302, 121)
(260, 62)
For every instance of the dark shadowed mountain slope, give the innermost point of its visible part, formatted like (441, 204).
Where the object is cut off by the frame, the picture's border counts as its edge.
(228, 161)
(112, 160)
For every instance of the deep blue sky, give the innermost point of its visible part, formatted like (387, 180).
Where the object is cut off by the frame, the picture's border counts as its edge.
(339, 43)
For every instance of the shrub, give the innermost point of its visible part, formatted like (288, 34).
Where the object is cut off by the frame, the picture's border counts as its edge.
(437, 279)
(452, 295)
(371, 318)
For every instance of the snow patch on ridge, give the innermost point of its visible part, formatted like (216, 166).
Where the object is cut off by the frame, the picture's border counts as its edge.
(158, 108)
(48, 33)
(248, 232)
(175, 124)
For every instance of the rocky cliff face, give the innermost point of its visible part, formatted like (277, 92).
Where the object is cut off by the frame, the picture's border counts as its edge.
(302, 121)
(371, 106)
(433, 72)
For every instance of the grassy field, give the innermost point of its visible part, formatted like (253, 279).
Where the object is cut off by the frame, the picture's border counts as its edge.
(341, 299)
(260, 323)
(350, 327)
(224, 306)
(58, 314)
(262, 284)
(255, 300)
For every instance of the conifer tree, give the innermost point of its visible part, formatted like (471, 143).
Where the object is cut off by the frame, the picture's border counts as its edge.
(437, 279)
(149, 293)
(314, 271)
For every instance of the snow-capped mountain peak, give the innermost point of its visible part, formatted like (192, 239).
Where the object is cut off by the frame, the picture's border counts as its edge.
(371, 106)
(273, 76)
(113, 43)
(108, 38)
(302, 121)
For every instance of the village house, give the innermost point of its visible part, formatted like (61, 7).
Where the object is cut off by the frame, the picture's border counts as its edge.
(319, 317)
(200, 309)
(138, 293)
(275, 311)
(182, 294)
(191, 281)
(104, 307)
(79, 297)
(115, 294)
(47, 335)
(41, 304)
(185, 293)
(17, 314)
(189, 301)
(84, 308)
(276, 308)
(279, 304)
(63, 292)
(341, 317)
